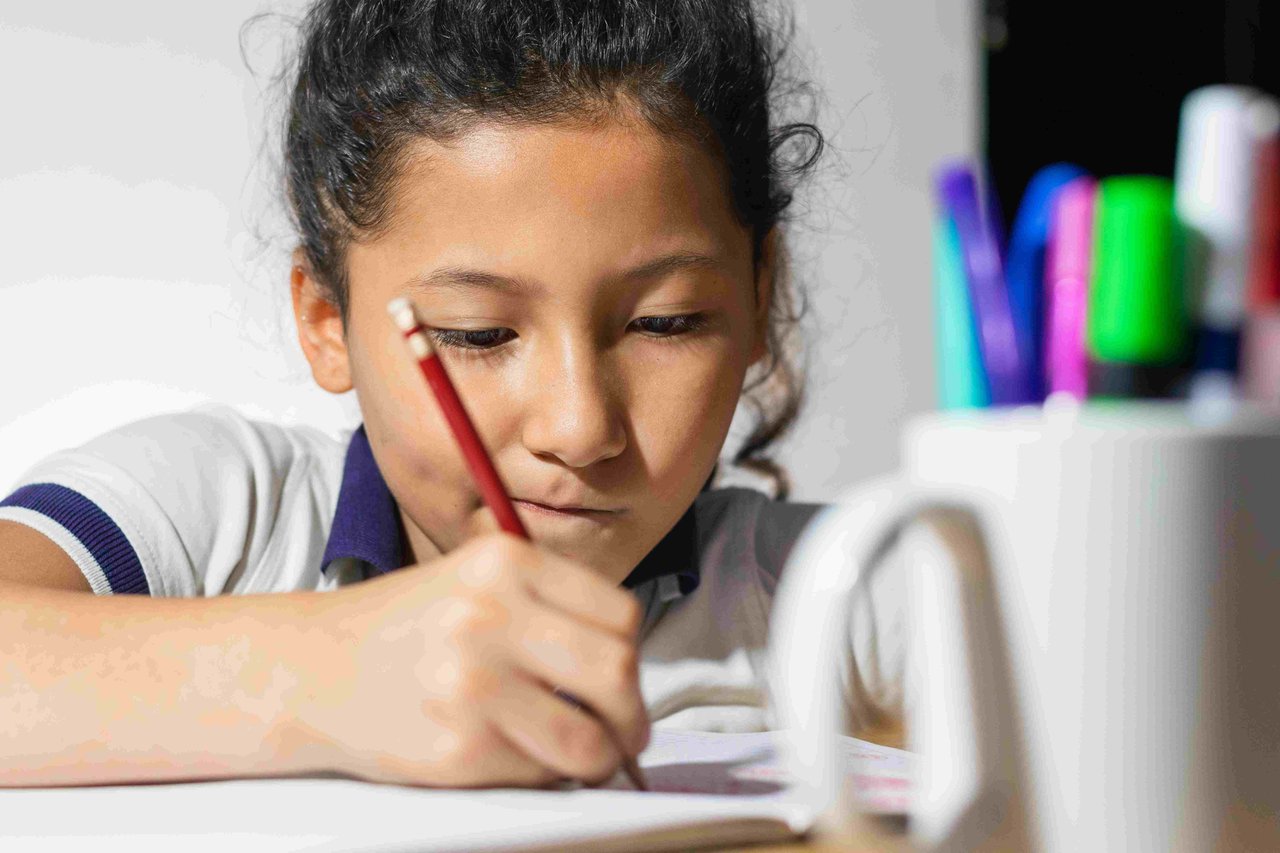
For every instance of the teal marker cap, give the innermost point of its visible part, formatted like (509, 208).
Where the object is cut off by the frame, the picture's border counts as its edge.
(962, 379)
(1137, 304)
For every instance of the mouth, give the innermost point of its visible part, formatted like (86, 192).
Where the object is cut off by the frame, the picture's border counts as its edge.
(557, 511)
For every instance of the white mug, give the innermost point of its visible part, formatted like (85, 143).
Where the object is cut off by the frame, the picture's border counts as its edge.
(1095, 642)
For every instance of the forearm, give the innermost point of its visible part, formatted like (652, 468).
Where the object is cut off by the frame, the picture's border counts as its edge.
(127, 689)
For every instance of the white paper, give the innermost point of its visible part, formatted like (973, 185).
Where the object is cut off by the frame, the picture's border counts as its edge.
(699, 779)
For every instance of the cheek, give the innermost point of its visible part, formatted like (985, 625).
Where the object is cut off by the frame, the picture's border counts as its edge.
(415, 449)
(423, 468)
(681, 414)
(428, 480)
(395, 399)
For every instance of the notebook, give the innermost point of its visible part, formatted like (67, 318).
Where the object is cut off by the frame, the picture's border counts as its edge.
(708, 789)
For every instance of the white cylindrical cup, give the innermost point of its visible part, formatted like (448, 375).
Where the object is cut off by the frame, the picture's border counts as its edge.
(1118, 615)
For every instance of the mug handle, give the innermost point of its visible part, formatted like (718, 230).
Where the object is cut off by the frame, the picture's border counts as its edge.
(833, 560)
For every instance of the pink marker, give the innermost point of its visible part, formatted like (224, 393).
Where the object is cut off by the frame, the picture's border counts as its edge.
(1260, 347)
(1066, 284)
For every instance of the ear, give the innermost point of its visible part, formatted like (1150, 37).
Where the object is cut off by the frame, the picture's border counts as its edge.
(766, 271)
(320, 328)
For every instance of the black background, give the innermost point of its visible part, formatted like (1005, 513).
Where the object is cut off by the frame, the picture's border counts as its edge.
(1100, 83)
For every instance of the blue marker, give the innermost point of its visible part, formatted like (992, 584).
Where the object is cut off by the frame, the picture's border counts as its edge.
(1024, 265)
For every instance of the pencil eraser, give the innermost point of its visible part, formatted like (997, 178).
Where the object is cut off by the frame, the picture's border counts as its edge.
(401, 310)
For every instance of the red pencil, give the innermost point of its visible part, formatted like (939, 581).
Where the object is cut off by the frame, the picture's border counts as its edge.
(482, 470)
(478, 462)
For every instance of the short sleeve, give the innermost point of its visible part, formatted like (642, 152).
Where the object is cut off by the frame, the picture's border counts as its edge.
(189, 504)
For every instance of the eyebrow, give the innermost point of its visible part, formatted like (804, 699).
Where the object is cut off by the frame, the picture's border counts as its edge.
(462, 278)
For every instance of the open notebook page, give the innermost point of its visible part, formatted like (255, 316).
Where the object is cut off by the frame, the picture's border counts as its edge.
(748, 764)
(722, 788)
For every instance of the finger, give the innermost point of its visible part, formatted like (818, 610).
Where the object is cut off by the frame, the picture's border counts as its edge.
(515, 767)
(597, 668)
(474, 755)
(497, 561)
(468, 750)
(583, 593)
(554, 734)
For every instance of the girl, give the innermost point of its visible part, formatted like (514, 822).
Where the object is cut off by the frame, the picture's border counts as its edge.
(583, 200)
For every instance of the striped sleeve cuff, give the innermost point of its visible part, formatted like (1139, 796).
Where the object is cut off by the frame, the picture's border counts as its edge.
(96, 543)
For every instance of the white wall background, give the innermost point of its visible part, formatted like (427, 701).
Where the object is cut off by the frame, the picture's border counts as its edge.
(133, 207)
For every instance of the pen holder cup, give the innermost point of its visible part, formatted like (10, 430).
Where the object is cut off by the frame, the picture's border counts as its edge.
(1089, 595)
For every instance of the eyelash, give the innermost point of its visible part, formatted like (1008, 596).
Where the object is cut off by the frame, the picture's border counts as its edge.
(679, 324)
(487, 339)
(475, 339)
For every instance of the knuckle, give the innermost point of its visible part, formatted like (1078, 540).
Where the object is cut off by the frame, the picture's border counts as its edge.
(506, 548)
(621, 667)
(439, 676)
(472, 748)
(490, 561)
(457, 619)
(481, 612)
(446, 746)
(584, 745)
(632, 614)
(479, 685)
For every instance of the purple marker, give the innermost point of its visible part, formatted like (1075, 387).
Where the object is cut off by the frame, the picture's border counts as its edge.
(997, 339)
(1067, 288)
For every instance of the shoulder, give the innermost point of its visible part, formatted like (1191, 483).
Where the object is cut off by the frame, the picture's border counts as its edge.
(213, 433)
(742, 529)
(205, 453)
(191, 502)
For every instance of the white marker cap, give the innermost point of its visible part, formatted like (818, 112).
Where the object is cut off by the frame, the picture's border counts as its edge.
(1215, 152)
(1213, 196)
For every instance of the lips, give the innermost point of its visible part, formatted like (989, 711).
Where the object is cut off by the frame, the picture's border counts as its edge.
(566, 509)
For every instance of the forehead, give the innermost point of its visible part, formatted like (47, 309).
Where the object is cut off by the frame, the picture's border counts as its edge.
(605, 188)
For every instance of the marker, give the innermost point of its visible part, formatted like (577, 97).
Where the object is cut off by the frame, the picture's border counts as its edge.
(997, 338)
(1136, 332)
(962, 381)
(1066, 282)
(478, 462)
(1025, 265)
(1260, 348)
(1213, 182)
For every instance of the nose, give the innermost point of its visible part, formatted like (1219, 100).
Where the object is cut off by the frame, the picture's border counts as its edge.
(576, 416)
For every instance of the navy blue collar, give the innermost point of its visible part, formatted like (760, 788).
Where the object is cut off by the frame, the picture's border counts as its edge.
(366, 522)
(367, 528)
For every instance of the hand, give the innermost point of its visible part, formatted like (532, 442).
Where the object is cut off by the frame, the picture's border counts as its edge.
(443, 674)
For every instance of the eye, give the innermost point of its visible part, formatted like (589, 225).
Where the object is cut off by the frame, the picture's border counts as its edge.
(666, 327)
(472, 338)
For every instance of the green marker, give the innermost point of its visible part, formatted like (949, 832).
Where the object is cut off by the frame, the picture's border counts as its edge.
(1137, 333)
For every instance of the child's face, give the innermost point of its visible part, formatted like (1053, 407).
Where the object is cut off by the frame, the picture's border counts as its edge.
(596, 304)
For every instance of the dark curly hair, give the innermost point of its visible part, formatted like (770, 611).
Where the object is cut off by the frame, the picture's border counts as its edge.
(373, 75)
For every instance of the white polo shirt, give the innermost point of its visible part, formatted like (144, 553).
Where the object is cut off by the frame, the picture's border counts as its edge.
(210, 503)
